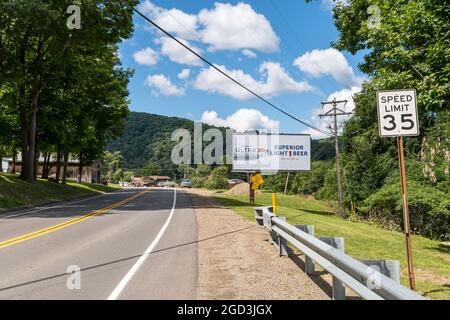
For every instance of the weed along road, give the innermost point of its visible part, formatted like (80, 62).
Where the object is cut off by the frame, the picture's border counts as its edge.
(130, 244)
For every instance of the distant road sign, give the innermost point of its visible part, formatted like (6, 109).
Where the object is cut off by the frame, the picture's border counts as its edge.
(397, 113)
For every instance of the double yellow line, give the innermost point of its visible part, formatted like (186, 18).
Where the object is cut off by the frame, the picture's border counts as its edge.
(66, 224)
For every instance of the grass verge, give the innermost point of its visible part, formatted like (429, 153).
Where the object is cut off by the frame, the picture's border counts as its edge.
(362, 240)
(16, 192)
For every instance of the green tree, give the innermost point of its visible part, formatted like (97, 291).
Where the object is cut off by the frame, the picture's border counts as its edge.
(35, 46)
(151, 169)
(111, 166)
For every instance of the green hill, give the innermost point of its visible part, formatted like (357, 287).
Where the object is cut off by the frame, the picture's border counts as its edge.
(146, 138)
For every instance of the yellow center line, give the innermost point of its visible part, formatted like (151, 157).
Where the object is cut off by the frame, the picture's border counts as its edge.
(66, 224)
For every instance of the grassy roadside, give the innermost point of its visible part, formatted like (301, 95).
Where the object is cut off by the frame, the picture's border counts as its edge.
(362, 240)
(16, 192)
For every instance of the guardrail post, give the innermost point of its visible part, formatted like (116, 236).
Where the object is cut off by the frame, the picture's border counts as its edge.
(338, 286)
(282, 243)
(258, 216)
(309, 229)
(389, 268)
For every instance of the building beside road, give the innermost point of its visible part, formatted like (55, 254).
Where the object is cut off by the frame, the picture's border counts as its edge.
(149, 181)
(90, 174)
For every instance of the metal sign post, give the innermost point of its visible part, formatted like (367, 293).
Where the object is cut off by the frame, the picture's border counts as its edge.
(397, 117)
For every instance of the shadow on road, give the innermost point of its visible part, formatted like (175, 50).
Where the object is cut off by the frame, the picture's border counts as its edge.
(121, 260)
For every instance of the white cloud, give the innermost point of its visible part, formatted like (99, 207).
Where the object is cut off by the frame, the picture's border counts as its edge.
(325, 123)
(242, 120)
(164, 85)
(176, 53)
(331, 62)
(184, 74)
(249, 53)
(228, 27)
(174, 21)
(146, 57)
(224, 27)
(277, 81)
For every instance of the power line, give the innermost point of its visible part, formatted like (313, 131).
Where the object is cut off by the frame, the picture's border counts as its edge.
(225, 74)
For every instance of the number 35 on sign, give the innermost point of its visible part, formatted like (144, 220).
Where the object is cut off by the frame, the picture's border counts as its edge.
(397, 113)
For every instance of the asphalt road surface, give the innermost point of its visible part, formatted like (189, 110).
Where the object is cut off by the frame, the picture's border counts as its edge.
(130, 244)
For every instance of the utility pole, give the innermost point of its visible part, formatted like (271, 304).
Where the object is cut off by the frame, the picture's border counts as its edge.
(335, 112)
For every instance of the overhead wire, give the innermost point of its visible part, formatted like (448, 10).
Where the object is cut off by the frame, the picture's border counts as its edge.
(225, 74)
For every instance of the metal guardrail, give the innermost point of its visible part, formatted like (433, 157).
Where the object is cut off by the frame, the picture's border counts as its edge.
(367, 282)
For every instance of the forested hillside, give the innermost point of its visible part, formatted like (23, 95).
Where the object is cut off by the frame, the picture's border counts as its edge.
(145, 142)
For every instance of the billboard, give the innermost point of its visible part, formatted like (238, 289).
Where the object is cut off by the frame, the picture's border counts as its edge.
(271, 152)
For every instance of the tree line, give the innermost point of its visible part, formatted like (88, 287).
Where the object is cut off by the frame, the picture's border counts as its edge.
(62, 91)
(410, 48)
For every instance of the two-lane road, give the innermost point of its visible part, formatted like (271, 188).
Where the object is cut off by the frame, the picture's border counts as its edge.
(130, 244)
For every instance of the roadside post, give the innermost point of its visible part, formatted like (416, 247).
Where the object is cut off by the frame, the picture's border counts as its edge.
(274, 202)
(397, 117)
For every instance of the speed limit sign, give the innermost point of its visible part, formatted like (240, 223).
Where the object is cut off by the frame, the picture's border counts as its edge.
(397, 113)
(397, 117)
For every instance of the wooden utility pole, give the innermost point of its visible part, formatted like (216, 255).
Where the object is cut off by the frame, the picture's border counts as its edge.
(335, 112)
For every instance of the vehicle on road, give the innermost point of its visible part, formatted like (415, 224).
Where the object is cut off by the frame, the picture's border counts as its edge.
(233, 182)
(166, 184)
(186, 183)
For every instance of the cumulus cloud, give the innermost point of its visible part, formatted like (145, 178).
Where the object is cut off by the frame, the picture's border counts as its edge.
(331, 62)
(241, 121)
(249, 53)
(147, 57)
(176, 53)
(163, 85)
(175, 21)
(228, 27)
(276, 81)
(184, 74)
(325, 123)
(223, 27)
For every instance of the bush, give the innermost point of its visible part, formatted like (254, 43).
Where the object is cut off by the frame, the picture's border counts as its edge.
(429, 209)
(198, 182)
(218, 178)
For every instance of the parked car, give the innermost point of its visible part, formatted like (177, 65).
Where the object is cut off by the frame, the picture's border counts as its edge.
(166, 184)
(233, 182)
(186, 183)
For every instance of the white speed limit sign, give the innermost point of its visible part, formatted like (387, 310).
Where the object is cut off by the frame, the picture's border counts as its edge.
(397, 113)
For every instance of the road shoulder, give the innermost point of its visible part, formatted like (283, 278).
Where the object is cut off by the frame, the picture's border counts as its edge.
(236, 260)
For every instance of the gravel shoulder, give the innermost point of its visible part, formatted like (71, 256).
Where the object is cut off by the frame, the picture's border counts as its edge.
(236, 260)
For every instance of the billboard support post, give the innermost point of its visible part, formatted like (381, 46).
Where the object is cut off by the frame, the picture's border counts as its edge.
(251, 190)
(286, 184)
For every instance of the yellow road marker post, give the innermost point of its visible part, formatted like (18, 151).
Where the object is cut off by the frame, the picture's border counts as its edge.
(274, 203)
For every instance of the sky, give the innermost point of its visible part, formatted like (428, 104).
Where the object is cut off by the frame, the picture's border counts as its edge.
(279, 49)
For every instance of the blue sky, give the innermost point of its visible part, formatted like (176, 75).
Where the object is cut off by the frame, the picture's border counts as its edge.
(280, 49)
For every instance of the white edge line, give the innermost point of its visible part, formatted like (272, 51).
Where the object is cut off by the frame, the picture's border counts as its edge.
(115, 294)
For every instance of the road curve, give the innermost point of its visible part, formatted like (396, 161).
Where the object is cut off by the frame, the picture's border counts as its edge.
(130, 244)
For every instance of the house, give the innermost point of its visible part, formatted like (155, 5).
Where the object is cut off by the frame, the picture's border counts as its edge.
(5, 163)
(157, 179)
(90, 174)
(148, 181)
